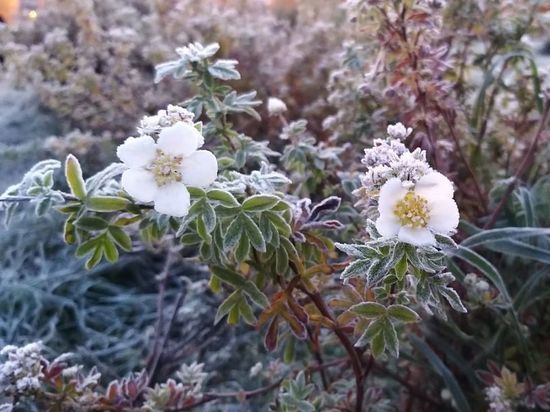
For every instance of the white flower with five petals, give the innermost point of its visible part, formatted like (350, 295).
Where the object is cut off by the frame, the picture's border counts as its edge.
(414, 215)
(159, 171)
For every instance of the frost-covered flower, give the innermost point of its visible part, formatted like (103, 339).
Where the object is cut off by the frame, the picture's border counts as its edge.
(415, 215)
(497, 400)
(160, 171)
(275, 106)
(399, 131)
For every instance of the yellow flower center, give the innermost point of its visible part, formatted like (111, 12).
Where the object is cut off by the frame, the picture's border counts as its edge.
(166, 168)
(412, 211)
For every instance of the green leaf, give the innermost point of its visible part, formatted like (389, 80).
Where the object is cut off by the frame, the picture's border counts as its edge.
(255, 294)
(243, 249)
(369, 309)
(86, 247)
(403, 313)
(442, 370)
(73, 174)
(390, 338)
(452, 297)
(259, 203)
(223, 197)
(229, 276)
(121, 238)
(203, 231)
(356, 268)
(233, 234)
(484, 266)
(91, 223)
(107, 203)
(96, 257)
(209, 217)
(374, 329)
(488, 236)
(226, 305)
(254, 233)
(246, 312)
(378, 345)
(281, 224)
(110, 250)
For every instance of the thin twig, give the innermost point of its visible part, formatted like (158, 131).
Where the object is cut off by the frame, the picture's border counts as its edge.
(318, 301)
(524, 166)
(155, 353)
(477, 187)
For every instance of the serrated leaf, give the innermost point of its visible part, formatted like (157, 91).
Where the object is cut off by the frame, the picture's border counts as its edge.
(403, 314)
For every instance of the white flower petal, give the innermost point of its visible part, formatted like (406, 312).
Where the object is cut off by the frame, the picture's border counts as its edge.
(140, 184)
(180, 139)
(172, 199)
(434, 185)
(444, 215)
(137, 151)
(391, 192)
(388, 225)
(200, 169)
(417, 237)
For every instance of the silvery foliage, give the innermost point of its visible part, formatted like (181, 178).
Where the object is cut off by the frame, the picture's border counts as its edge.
(37, 185)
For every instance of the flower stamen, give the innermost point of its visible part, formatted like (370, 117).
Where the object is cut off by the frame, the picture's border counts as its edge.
(412, 211)
(166, 168)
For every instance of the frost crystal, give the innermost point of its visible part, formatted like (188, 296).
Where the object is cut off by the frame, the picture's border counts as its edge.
(21, 372)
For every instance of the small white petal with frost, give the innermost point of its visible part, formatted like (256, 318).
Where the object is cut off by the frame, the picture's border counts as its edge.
(444, 215)
(180, 139)
(172, 199)
(137, 151)
(391, 192)
(388, 225)
(434, 184)
(140, 184)
(417, 237)
(200, 169)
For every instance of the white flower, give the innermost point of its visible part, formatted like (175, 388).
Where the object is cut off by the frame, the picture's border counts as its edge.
(414, 216)
(399, 131)
(275, 106)
(159, 172)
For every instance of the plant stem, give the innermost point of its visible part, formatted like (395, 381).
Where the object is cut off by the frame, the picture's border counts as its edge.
(318, 301)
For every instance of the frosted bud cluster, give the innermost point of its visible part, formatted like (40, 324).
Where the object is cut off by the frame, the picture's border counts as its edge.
(21, 368)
